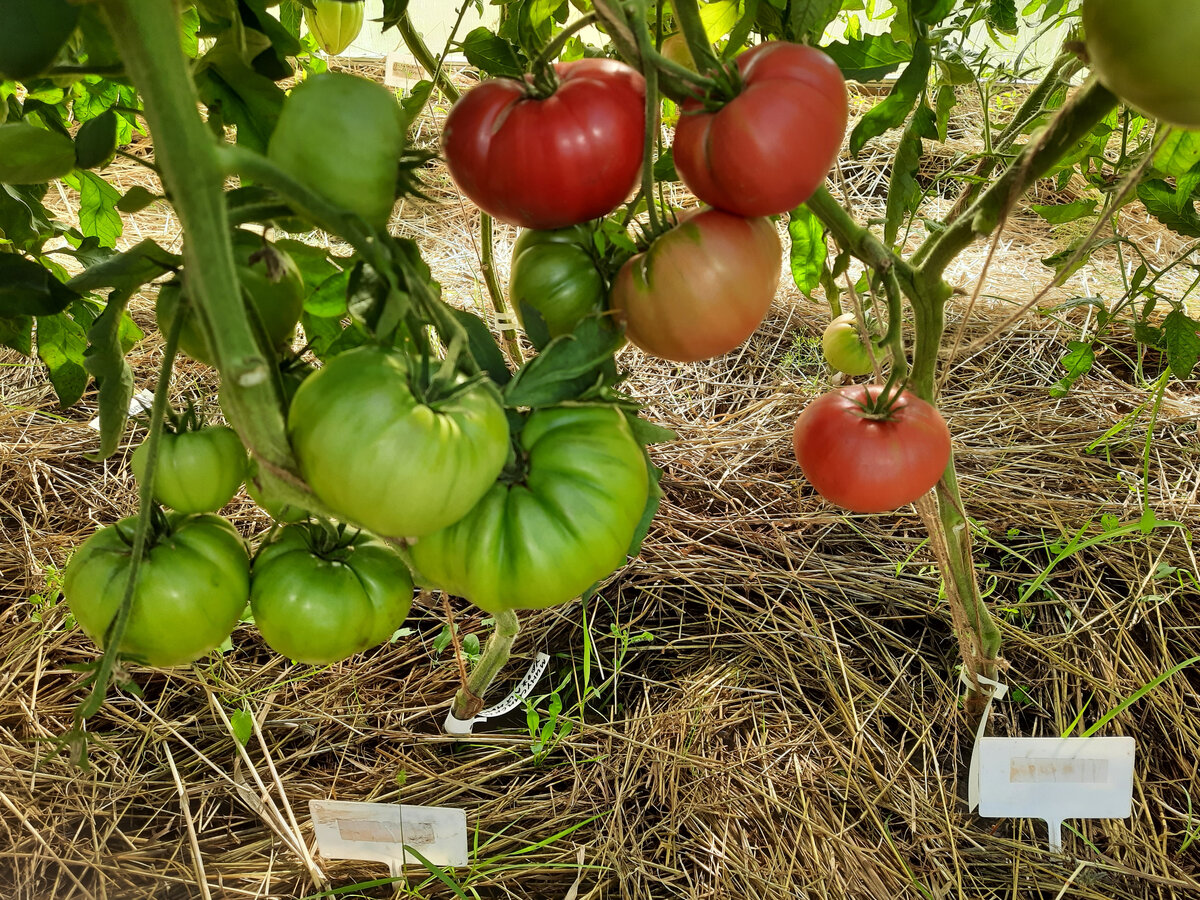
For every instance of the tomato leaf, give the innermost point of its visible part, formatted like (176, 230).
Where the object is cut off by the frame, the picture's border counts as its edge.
(810, 18)
(1172, 208)
(17, 333)
(136, 199)
(60, 346)
(896, 106)
(492, 54)
(904, 191)
(23, 218)
(568, 367)
(653, 498)
(28, 289)
(869, 58)
(484, 349)
(127, 271)
(105, 360)
(1002, 15)
(98, 216)
(1078, 361)
(808, 252)
(1062, 213)
(96, 141)
(1180, 334)
(236, 94)
(242, 724)
(30, 155)
(1179, 153)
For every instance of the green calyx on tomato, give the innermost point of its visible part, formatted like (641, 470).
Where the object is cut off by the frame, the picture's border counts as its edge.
(192, 587)
(321, 594)
(555, 283)
(1146, 52)
(31, 34)
(844, 349)
(702, 287)
(199, 467)
(869, 454)
(767, 149)
(270, 280)
(383, 456)
(342, 137)
(334, 24)
(566, 522)
(550, 162)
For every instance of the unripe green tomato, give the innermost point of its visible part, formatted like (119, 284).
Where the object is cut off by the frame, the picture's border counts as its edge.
(334, 24)
(198, 471)
(843, 349)
(31, 34)
(1147, 52)
(342, 136)
(554, 277)
(278, 298)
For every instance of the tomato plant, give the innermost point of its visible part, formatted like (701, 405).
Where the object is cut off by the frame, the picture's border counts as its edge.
(561, 523)
(1145, 53)
(198, 470)
(376, 453)
(844, 349)
(702, 288)
(192, 587)
(334, 24)
(554, 279)
(320, 595)
(549, 162)
(32, 33)
(342, 137)
(771, 146)
(867, 461)
(271, 282)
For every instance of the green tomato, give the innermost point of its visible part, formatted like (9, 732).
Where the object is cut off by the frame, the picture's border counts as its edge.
(334, 24)
(318, 601)
(31, 34)
(379, 457)
(342, 136)
(1145, 52)
(269, 277)
(554, 282)
(198, 471)
(843, 349)
(565, 525)
(192, 587)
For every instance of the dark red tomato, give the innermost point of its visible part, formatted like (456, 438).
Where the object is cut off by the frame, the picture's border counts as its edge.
(552, 162)
(766, 150)
(702, 288)
(867, 464)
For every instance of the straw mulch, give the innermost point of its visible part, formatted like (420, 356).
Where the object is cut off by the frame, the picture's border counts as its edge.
(772, 704)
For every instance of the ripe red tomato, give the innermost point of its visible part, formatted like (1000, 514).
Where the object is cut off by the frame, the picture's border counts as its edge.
(867, 464)
(766, 150)
(702, 288)
(552, 162)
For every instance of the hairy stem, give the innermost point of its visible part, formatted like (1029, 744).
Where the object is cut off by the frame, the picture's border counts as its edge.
(469, 701)
(488, 267)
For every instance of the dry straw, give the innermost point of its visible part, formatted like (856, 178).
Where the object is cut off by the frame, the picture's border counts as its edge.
(777, 708)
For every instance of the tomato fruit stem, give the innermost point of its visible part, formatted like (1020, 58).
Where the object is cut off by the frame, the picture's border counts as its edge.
(496, 651)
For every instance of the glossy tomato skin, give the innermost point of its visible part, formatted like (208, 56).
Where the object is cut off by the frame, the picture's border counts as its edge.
(319, 605)
(1148, 54)
(379, 457)
(553, 162)
(702, 288)
(766, 150)
(334, 24)
(843, 349)
(546, 538)
(275, 290)
(342, 136)
(554, 278)
(865, 465)
(192, 588)
(198, 471)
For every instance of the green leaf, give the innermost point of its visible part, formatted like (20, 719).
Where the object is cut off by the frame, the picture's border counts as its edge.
(484, 349)
(23, 218)
(96, 141)
(648, 433)
(895, 108)
(808, 251)
(652, 501)
(1062, 213)
(1180, 334)
(810, 18)
(30, 155)
(664, 167)
(128, 271)
(392, 11)
(568, 366)
(236, 94)
(1173, 209)
(17, 333)
(60, 346)
(535, 23)
(719, 17)
(1179, 153)
(1002, 15)
(946, 101)
(28, 289)
(904, 191)
(415, 101)
(490, 53)
(869, 58)
(136, 199)
(98, 216)
(931, 12)
(242, 723)
(105, 360)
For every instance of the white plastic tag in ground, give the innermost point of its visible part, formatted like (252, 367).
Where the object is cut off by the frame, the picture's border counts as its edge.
(519, 695)
(381, 832)
(138, 404)
(1056, 779)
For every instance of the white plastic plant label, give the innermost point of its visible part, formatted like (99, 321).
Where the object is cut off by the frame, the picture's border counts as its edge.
(396, 69)
(1056, 779)
(520, 693)
(382, 832)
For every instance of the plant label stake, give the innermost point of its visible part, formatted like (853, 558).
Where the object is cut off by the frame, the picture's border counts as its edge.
(1056, 779)
(391, 833)
(519, 695)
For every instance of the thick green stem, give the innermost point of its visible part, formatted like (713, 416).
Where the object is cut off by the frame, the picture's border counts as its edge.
(469, 701)
(488, 268)
(421, 53)
(147, 34)
(687, 14)
(1069, 127)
